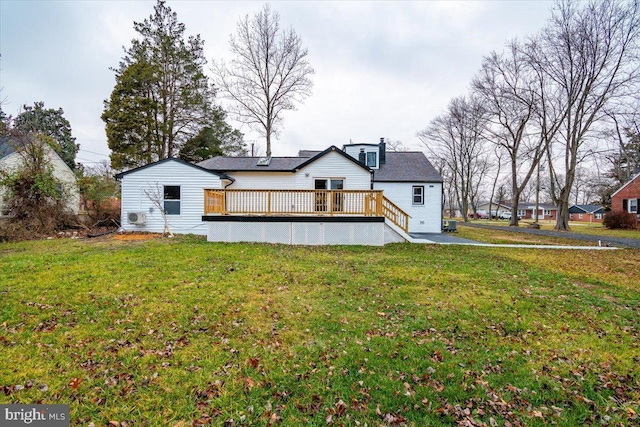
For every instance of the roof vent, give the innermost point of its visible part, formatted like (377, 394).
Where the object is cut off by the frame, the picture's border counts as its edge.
(264, 161)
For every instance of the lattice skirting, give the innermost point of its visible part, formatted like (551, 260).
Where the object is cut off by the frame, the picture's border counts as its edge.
(298, 233)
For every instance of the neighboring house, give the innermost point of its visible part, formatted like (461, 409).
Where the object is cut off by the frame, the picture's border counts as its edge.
(586, 213)
(627, 198)
(496, 208)
(317, 197)
(11, 160)
(526, 210)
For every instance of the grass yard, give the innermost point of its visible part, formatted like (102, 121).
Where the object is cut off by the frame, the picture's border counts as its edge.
(184, 332)
(576, 227)
(511, 237)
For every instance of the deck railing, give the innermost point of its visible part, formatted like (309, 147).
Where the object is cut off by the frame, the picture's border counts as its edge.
(303, 202)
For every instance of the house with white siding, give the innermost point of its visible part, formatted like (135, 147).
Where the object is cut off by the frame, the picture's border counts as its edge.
(12, 159)
(335, 196)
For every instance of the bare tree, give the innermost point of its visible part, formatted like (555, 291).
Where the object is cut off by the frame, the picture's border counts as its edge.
(456, 138)
(499, 157)
(268, 75)
(586, 58)
(506, 85)
(395, 146)
(155, 194)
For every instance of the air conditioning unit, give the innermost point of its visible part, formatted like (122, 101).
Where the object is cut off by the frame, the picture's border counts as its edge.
(137, 218)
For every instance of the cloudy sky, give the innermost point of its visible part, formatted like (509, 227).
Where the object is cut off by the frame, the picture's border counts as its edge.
(383, 69)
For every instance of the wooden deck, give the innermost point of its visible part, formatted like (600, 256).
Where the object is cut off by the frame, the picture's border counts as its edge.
(304, 202)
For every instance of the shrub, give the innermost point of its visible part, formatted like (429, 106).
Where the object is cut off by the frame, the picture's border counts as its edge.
(34, 200)
(620, 220)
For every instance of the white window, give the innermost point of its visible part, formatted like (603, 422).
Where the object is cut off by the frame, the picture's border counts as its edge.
(570, 216)
(579, 216)
(522, 213)
(418, 194)
(598, 216)
(372, 158)
(547, 212)
(633, 205)
(172, 199)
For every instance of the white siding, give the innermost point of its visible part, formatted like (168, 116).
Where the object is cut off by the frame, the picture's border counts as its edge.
(425, 218)
(334, 165)
(61, 172)
(192, 182)
(262, 181)
(331, 165)
(354, 151)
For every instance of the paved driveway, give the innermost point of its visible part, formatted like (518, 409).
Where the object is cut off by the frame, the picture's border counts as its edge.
(625, 242)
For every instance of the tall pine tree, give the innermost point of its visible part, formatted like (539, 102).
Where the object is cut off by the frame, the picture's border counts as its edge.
(162, 98)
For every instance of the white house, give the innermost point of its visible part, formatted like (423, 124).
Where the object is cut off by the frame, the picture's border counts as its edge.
(408, 179)
(176, 185)
(327, 197)
(11, 159)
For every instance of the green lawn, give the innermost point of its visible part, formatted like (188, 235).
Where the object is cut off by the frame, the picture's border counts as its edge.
(576, 227)
(184, 332)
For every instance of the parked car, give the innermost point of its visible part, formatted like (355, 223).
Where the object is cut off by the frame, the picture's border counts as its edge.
(479, 215)
(507, 215)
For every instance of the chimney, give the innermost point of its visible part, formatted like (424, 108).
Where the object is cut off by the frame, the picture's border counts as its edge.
(383, 152)
(362, 157)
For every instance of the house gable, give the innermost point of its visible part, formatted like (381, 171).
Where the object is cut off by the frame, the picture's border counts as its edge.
(169, 159)
(631, 181)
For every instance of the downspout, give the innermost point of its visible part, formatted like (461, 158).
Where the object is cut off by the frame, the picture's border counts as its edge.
(231, 179)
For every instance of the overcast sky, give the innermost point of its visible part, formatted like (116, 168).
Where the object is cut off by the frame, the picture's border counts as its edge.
(383, 69)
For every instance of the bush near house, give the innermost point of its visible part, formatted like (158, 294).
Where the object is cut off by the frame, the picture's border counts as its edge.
(34, 201)
(620, 220)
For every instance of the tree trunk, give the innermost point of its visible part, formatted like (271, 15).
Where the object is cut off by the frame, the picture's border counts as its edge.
(515, 194)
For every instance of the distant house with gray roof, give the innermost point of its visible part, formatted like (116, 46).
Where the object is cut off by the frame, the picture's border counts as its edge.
(587, 213)
(338, 195)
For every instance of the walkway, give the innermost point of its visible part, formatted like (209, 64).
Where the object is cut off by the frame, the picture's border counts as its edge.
(448, 239)
(625, 242)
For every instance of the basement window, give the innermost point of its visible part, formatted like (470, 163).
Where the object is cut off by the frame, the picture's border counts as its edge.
(172, 199)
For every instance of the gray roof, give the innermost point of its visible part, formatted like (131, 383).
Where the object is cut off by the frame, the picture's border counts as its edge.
(406, 166)
(6, 147)
(172, 159)
(532, 205)
(308, 153)
(276, 164)
(238, 164)
(587, 208)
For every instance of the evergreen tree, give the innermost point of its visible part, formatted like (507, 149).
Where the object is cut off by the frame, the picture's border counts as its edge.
(162, 98)
(216, 139)
(52, 123)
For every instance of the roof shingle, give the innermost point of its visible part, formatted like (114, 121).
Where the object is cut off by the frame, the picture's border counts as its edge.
(406, 166)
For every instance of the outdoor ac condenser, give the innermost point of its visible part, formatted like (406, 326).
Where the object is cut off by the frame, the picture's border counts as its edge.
(137, 218)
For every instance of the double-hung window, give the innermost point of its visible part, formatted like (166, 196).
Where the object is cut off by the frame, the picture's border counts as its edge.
(418, 194)
(172, 199)
(633, 205)
(372, 158)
